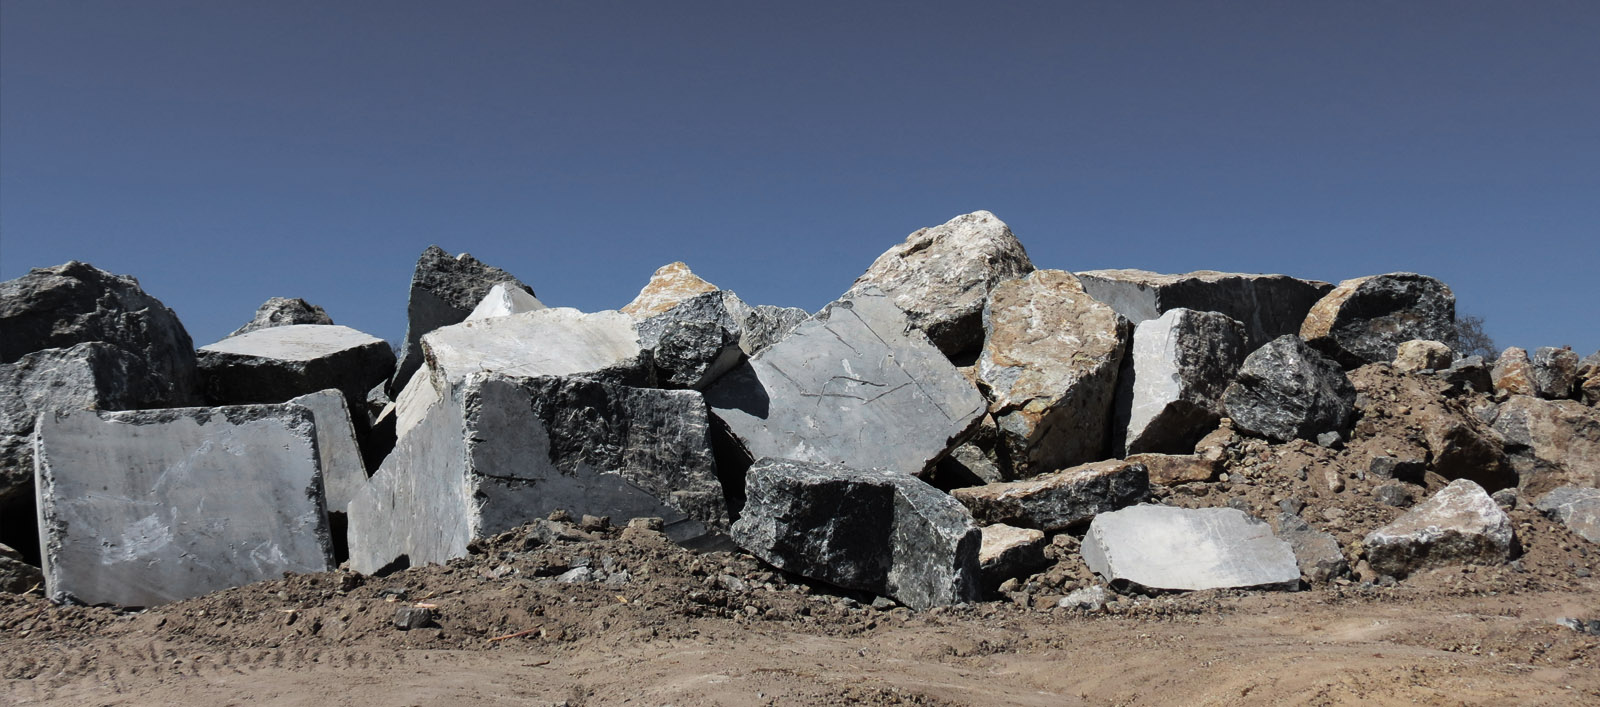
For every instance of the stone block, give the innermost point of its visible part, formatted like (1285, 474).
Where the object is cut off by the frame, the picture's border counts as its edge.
(275, 364)
(1172, 381)
(549, 342)
(1365, 320)
(1555, 372)
(1460, 524)
(1513, 373)
(1287, 390)
(1007, 551)
(503, 299)
(444, 290)
(1166, 548)
(695, 342)
(1059, 500)
(1268, 306)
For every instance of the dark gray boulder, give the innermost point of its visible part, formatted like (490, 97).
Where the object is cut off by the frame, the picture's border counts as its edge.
(1268, 306)
(1555, 372)
(1467, 375)
(1365, 320)
(764, 325)
(1575, 507)
(696, 341)
(275, 364)
(1169, 391)
(1059, 500)
(444, 290)
(1287, 390)
(873, 530)
(283, 311)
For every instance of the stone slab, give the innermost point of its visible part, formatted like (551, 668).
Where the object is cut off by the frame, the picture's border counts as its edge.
(339, 454)
(1166, 548)
(560, 341)
(1061, 499)
(275, 364)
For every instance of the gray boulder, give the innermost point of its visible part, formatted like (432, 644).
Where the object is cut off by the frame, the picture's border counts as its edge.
(1170, 389)
(1365, 320)
(283, 311)
(1287, 390)
(275, 364)
(146, 507)
(1577, 508)
(1268, 306)
(1551, 443)
(1316, 552)
(1161, 547)
(696, 341)
(1058, 500)
(1460, 524)
(1555, 372)
(444, 291)
(338, 452)
(873, 530)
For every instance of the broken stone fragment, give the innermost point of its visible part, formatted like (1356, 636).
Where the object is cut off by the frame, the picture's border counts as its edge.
(444, 290)
(1589, 380)
(1407, 470)
(283, 311)
(1315, 552)
(1550, 442)
(873, 530)
(338, 452)
(1008, 551)
(275, 364)
(1091, 598)
(1268, 306)
(1050, 363)
(1175, 469)
(1171, 386)
(765, 325)
(549, 342)
(941, 277)
(1287, 390)
(503, 299)
(1420, 355)
(695, 342)
(1464, 447)
(1059, 500)
(1467, 375)
(1513, 373)
(17, 576)
(1458, 525)
(668, 287)
(1365, 320)
(1555, 372)
(146, 507)
(1577, 508)
(1161, 547)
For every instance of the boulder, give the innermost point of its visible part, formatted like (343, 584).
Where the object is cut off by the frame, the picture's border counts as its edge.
(1460, 446)
(1268, 306)
(1467, 375)
(1050, 363)
(764, 325)
(941, 277)
(146, 507)
(500, 451)
(503, 299)
(1551, 442)
(1555, 372)
(1161, 547)
(338, 452)
(275, 364)
(1315, 552)
(1287, 390)
(1059, 500)
(695, 342)
(444, 291)
(1575, 507)
(668, 287)
(77, 303)
(1420, 355)
(1174, 469)
(1513, 373)
(1460, 524)
(853, 386)
(873, 530)
(549, 342)
(16, 575)
(1365, 320)
(1170, 390)
(1007, 551)
(283, 311)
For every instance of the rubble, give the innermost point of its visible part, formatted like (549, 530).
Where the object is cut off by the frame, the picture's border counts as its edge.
(1365, 320)
(283, 311)
(1460, 524)
(1575, 507)
(1061, 499)
(1550, 442)
(444, 291)
(275, 364)
(1287, 390)
(1268, 306)
(1166, 548)
(1172, 381)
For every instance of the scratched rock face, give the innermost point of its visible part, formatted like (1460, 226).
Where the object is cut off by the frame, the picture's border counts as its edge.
(854, 385)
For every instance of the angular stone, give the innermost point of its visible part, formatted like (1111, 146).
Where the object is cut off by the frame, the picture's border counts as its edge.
(1551, 442)
(1170, 390)
(76, 303)
(1397, 495)
(873, 530)
(668, 287)
(1365, 320)
(503, 299)
(1577, 508)
(1059, 500)
(1555, 372)
(444, 290)
(501, 451)
(1463, 447)
(283, 311)
(1407, 470)
(1008, 551)
(1513, 372)
(695, 342)
(1174, 469)
(1161, 547)
(1268, 306)
(1421, 355)
(145, 507)
(765, 325)
(967, 465)
(1589, 379)
(1315, 552)
(849, 386)
(1460, 524)
(1287, 390)
(1091, 598)
(275, 364)
(942, 276)
(414, 401)
(338, 452)
(1467, 375)
(549, 342)
(16, 575)
(1050, 363)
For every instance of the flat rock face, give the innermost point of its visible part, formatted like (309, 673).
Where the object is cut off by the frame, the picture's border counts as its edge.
(1059, 500)
(1458, 525)
(76, 303)
(1171, 385)
(1161, 547)
(1419, 355)
(275, 364)
(670, 285)
(281, 311)
(1316, 552)
(1577, 508)
(697, 341)
(1555, 372)
(146, 507)
(850, 386)
(1268, 306)
(1551, 442)
(941, 277)
(338, 452)
(1287, 390)
(444, 290)
(550, 342)
(503, 299)
(1050, 362)
(1365, 320)
(873, 530)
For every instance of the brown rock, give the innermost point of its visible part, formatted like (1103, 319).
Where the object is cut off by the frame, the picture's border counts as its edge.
(1552, 442)
(1174, 469)
(671, 284)
(1463, 447)
(1421, 355)
(1513, 372)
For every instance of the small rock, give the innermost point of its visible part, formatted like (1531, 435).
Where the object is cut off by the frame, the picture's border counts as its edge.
(1407, 470)
(1513, 372)
(1576, 508)
(1008, 551)
(1175, 469)
(593, 523)
(576, 575)
(1506, 498)
(282, 311)
(1397, 495)
(1090, 598)
(1315, 552)
(1555, 372)
(1421, 355)
(649, 523)
(407, 618)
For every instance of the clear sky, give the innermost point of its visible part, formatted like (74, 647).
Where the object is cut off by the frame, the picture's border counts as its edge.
(225, 151)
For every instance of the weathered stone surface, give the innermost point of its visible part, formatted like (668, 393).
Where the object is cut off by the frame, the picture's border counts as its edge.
(1575, 507)
(1059, 500)
(1555, 372)
(503, 299)
(695, 342)
(444, 290)
(1461, 446)
(1091, 598)
(283, 311)
(765, 325)
(1460, 524)
(1161, 547)
(1050, 362)
(549, 342)
(1268, 306)
(146, 507)
(874, 530)
(76, 303)
(1551, 442)
(850, 386)
(1315, 552)
(1007, 551)
(501, 451)
(278, 363)
(1365, 320)
(17, 576)
(1513, 373)
(1421, 355)
(668, 287)
(1287, 390)
(942, 276)
(1174, 469)
(1172, 381)
(338, 452)
(1467, 375)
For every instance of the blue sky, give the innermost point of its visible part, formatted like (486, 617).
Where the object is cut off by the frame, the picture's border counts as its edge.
(225, 152)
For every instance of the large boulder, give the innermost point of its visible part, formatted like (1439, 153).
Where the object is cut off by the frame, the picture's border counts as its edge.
(941, 277)
(444, 291)
(146, 507)
(283, 311)
(669, 286)
(873, 530)
(1050, 363)
(853, 385)
(1551, 442)
(696, 341)
(1287, 390)
(1170, 390)
(1365, 320)
(76, 303)
(549, 342)
(500, 451)
(1166, 548)
(1462, 446)
(1268, 306)
(275, 364)
(1460, 524)
(1059, 500)
(1575, 507)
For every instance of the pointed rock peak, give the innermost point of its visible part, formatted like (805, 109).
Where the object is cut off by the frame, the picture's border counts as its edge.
(671, 284)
